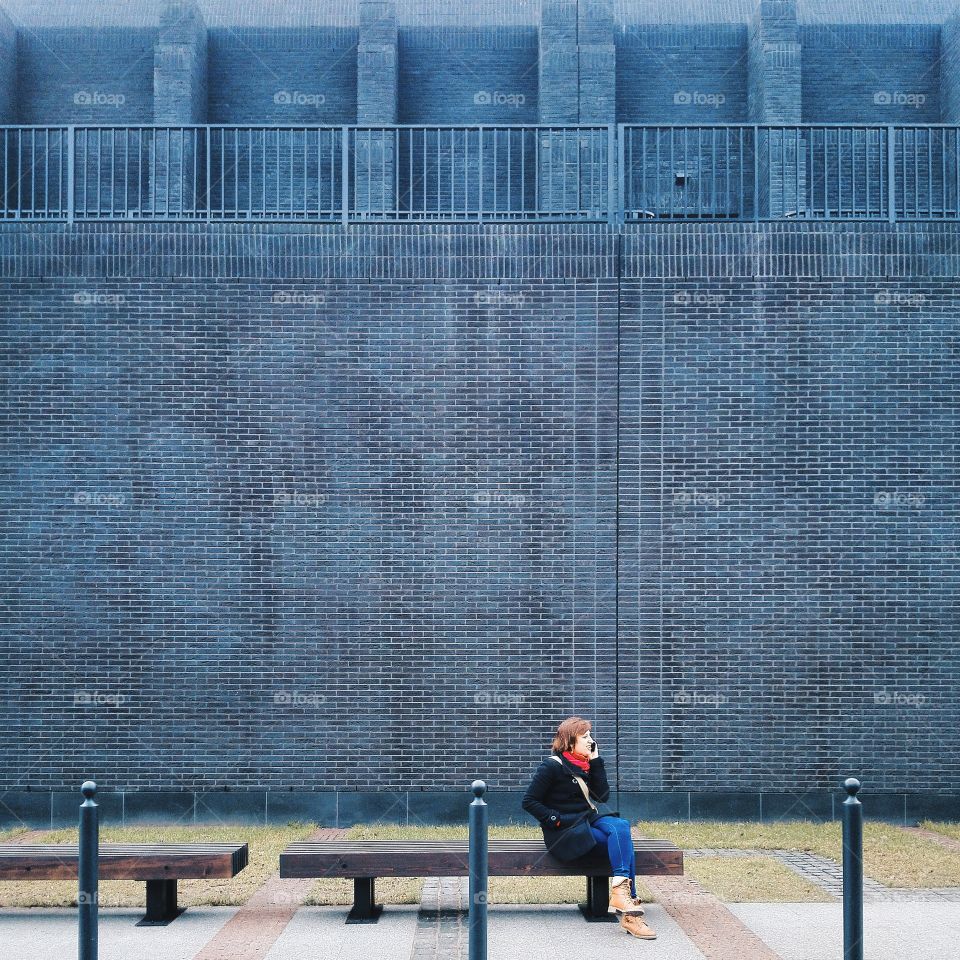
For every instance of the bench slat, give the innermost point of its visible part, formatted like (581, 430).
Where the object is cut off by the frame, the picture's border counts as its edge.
(125, 861)
(506, 858)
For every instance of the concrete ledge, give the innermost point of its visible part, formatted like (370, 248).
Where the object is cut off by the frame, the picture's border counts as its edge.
(45, 810)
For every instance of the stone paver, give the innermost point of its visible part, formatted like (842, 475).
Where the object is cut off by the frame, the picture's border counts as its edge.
(814, 931)
(706, 921)
(441, 932)
(256, 926)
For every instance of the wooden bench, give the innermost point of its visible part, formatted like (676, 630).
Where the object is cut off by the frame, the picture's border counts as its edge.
(365, 860)
(159, 864)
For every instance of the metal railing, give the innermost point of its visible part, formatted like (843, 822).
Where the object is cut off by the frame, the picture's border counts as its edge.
(420, 173)
(810, 171)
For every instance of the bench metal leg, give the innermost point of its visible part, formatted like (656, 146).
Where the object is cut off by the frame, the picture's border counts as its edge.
(161, 903)
(365, 909)
(596, 909)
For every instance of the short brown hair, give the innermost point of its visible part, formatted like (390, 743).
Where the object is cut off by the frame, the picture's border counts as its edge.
(567, 733)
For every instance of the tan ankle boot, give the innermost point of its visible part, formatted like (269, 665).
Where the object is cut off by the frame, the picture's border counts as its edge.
(621, 901)
(637, 926)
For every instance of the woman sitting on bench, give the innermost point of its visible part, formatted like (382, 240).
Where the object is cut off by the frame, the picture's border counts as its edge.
(559, 798)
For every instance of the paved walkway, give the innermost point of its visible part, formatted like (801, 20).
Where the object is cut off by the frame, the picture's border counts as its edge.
(783, 931)
(692, 925)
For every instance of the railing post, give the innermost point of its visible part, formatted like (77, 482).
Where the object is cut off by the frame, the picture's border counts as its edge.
(345, 173)
(852, 873)
(891, 175)
(71, 164)
(478, 873)
(88, 870)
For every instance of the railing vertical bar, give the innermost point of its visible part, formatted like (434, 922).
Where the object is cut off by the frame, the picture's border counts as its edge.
(891, 175)
(33, 172)
(916, 174)
(19, 172)
(46, 171)
(613, 214)
(699, 168)
(71, 173)
(345, 174)
(943, 173)
(167, 173)
(672, 172)
(208, 201)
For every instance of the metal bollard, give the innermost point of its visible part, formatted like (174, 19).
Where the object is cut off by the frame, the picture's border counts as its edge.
(89, 869)
(478, 873)
(852, 873)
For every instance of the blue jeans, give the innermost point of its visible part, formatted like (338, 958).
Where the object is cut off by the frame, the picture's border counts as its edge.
(615, 833)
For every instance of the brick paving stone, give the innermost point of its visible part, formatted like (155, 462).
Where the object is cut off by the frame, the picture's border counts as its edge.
(709, 925)
(254, 928)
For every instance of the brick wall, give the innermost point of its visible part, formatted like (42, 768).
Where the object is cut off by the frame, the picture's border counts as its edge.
(276, 488)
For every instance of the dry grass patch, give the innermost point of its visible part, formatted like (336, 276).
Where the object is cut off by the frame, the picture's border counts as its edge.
(890, 855)
(753, 880)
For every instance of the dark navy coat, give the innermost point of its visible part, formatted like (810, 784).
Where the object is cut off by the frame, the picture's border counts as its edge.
(555, 799)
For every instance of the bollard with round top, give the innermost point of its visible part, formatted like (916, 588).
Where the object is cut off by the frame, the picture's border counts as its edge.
(852, 872)
(88, 871)
(478, 873)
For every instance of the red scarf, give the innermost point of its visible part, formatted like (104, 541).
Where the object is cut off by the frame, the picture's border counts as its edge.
(576, 758)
